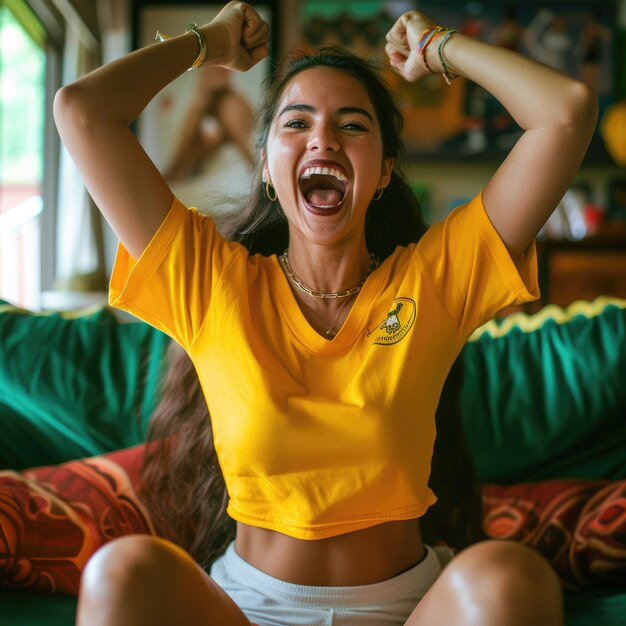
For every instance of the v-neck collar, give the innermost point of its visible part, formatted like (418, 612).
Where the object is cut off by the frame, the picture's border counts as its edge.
(300, 326)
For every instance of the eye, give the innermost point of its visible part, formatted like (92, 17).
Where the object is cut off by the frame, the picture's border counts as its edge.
(353, 126)
(295, 124)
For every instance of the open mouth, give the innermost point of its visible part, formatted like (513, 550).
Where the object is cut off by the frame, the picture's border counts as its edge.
(323, 188)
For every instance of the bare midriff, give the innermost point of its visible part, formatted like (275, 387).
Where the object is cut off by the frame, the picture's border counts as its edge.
(361, 557)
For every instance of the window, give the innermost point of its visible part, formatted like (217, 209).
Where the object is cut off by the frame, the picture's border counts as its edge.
(22, 131)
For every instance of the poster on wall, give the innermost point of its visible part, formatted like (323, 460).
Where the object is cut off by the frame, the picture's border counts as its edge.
(463, 119)
(199, 129)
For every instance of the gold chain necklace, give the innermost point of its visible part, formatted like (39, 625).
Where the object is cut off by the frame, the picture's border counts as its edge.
(314, 293)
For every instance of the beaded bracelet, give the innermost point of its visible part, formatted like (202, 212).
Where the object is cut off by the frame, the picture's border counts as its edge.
(191, 27)
(426, 38)
(425, 35)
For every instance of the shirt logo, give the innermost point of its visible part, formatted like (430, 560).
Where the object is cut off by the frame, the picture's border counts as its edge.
(396, 325)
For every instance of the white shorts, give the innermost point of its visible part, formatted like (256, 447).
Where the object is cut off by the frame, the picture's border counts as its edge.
(268, 601)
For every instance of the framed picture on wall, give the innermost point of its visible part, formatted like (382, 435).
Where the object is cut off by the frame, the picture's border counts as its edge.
(199, 129)
(461, 120)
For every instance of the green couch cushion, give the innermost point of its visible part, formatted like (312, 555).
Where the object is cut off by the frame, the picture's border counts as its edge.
(605, 607)
(544, 395)
(74, 384)
(26, 609)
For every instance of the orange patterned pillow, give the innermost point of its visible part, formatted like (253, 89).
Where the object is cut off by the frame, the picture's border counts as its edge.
(52, 519)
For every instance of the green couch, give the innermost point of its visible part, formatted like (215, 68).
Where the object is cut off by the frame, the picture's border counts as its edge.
(544, 399)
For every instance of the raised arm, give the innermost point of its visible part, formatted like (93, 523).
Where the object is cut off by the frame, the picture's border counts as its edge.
(557, 113)
(93, 114)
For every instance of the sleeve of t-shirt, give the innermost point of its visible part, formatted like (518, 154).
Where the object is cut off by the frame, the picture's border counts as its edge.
(171, 284)
(471, 270)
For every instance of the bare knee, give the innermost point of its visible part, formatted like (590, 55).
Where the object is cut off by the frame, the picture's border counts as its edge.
(507, 583)
(132, 558)
(140, 579)
(129, 577)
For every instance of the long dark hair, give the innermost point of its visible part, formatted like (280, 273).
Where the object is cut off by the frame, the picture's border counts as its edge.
(182, 483)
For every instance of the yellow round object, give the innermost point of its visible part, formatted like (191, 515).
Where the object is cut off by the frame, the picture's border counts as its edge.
(613, 130)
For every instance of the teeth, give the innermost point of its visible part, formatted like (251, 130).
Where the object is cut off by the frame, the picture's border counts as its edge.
(327, 171)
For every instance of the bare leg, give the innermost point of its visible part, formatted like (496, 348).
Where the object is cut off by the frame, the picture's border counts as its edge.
(493, 583)
(141, 579)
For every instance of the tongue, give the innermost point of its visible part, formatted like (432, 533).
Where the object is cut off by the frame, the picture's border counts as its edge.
(324, 197)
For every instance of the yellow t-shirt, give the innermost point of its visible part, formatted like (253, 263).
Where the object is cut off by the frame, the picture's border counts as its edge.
(316, 438)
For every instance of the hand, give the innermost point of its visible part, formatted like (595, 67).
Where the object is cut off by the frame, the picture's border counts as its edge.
(240, 37)
(401, 47)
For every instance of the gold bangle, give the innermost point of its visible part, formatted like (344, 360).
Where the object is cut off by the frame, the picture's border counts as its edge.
(191, 27)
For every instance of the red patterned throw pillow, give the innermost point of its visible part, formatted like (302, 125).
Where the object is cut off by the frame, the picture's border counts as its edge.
(52, 519)
(578, 525)
(600, 535)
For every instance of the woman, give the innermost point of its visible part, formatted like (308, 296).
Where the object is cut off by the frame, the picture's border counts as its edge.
(322, 407)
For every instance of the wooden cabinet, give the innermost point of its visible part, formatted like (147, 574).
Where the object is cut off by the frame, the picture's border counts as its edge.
(586, 269)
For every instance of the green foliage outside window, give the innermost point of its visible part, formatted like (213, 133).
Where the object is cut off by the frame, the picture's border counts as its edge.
(22, 101)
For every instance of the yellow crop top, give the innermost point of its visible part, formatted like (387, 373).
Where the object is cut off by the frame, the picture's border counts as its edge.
(317, 438)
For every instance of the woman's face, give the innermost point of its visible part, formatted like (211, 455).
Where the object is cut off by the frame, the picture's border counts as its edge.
(324, 155)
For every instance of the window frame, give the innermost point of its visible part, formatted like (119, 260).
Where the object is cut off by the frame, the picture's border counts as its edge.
(53, 48)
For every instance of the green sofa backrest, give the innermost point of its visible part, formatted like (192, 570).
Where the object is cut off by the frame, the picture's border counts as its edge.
(74, 384)
(544, 395)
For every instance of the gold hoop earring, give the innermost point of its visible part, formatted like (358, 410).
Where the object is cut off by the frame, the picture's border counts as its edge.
(267, 191)
(379, 193)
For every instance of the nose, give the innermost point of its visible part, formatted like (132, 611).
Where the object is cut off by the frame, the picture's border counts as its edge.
(323, 138)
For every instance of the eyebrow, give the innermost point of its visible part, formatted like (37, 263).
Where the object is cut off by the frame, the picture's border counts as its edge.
(310, 109)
